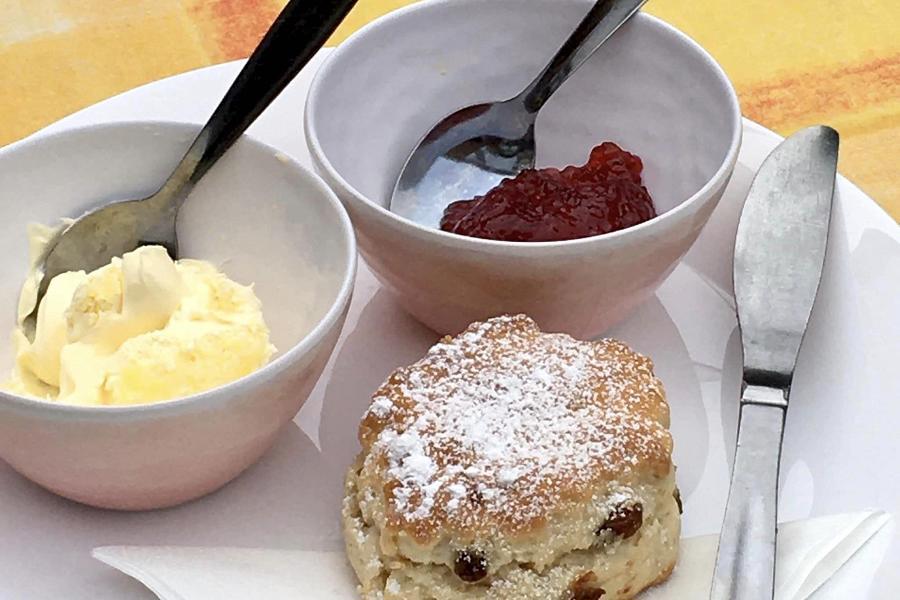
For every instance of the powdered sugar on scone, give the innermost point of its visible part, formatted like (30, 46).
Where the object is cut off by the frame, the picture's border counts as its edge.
(503, 425)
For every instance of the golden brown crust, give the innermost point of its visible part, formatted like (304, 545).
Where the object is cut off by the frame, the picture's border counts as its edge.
(496, 430)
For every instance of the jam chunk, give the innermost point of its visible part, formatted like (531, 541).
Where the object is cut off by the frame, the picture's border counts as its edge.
(539, 205)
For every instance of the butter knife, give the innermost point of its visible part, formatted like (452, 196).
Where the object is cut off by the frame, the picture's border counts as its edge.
(778, 258)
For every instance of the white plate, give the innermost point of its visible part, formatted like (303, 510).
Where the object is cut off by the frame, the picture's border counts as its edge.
(841, 446)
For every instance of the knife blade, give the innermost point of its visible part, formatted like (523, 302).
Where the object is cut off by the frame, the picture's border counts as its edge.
(778, 259)
(780, 250)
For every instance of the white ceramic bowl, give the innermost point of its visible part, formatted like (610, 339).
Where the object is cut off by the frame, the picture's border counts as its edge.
(258, 215)
(650, 88)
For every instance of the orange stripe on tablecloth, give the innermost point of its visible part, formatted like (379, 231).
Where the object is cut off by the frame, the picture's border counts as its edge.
(862, 100)
(231, 28)
(870, 91)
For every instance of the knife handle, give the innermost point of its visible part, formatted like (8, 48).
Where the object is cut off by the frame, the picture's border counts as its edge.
(745, 564)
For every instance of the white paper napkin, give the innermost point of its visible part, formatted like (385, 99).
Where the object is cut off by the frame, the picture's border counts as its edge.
(810, 552)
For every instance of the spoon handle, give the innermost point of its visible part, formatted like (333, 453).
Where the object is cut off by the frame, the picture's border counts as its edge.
(604, 18)
(296, 35)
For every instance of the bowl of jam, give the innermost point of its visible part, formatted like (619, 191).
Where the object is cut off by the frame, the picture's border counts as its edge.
(633, 154)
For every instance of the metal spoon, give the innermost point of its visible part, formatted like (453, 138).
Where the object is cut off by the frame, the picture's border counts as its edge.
(114, 229)
(472, 150)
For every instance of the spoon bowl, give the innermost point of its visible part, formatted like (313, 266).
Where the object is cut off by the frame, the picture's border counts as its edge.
(475, 148)
(465, 154)
(92, 240)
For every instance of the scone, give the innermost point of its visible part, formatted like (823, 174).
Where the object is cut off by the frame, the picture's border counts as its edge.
(511, 464)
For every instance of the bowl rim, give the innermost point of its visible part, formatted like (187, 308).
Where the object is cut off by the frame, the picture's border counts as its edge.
(243, 384)
(720, 177)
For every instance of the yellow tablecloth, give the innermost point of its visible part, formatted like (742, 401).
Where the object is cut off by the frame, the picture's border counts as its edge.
(794, 63)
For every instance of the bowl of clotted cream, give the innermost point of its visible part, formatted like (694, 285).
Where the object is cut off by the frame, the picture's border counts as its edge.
(152, 381)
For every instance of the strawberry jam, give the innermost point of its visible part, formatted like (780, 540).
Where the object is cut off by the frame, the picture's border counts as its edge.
(543, 205)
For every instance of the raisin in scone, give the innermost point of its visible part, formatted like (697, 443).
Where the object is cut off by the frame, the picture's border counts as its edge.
(511, 464)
